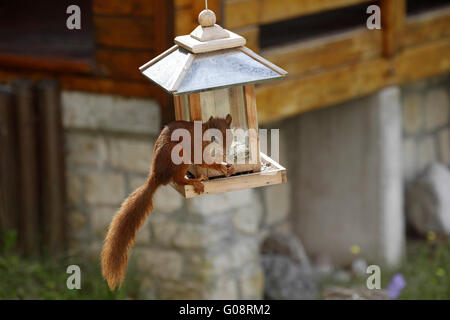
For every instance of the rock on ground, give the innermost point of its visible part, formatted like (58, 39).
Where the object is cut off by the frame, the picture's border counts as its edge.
(428, 201)
(286, 280)
(286, 245)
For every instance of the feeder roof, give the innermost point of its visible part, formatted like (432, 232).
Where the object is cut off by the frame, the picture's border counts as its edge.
(209, 58)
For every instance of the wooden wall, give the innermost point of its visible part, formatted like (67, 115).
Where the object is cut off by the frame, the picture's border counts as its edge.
(322, 71)
(127, 33)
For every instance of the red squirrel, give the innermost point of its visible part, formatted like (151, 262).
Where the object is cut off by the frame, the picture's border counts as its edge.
(131, 215)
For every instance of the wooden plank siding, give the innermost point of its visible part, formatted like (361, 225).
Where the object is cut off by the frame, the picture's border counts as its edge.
(301, 93)
(240, 13)
(425, 27)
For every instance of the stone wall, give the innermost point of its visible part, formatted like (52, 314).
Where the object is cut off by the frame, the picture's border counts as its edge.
(204, 248)
(426, 125)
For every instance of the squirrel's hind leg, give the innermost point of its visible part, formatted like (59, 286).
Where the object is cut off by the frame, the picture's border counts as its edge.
(196, 182)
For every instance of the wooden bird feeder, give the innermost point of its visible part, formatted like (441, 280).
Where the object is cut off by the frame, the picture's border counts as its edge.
(211, 73)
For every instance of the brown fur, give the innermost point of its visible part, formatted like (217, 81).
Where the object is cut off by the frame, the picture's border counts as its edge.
(132, 214)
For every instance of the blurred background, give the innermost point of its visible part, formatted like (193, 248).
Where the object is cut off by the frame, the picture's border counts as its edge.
(364, 119)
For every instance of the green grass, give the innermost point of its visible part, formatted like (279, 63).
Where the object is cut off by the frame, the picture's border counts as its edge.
(22, 278)
(426, 269)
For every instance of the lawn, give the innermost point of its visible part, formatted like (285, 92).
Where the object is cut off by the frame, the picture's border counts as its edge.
(425, 269)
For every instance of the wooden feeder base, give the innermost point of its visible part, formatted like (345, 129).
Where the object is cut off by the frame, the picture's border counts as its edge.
(211, 173)
(271, 173)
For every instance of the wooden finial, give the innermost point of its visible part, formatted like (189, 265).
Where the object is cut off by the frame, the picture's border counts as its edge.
(207, 18)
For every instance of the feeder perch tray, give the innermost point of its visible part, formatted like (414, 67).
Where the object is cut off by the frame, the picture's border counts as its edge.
(271, 173)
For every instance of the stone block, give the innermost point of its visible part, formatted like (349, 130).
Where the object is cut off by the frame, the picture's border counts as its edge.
(85, 150)
(167, 200)
(427, 152)
(163, 264)
(182, 290)
(277, 203)
(251, 282)
(444, 146)
(105, 188)
(130, 155)
(110, 113)
(248, 219)
(191, 236)
(164, 228)
(210, 204)
(101, 218)
(412, 113)
(74, 189)
(409, 158)
(437, 106)
(225, 288)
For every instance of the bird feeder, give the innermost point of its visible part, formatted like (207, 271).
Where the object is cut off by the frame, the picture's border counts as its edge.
(211, 73)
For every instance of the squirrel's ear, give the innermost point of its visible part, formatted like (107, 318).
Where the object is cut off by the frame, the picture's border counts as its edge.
(211, 118)
(228, 119)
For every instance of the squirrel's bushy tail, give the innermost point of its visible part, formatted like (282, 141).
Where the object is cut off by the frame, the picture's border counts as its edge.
(122, 232)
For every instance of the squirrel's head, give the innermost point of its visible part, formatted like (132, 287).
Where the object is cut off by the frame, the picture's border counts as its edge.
(222, 125)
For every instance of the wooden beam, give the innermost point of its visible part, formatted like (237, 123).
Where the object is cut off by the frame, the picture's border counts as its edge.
(326, 52)
(241, 13)
(128, 32)
(46, 63)
(393, 14)
(121, 65)
(107, 86)
(425, 27)
(304, 93)
(138, 8)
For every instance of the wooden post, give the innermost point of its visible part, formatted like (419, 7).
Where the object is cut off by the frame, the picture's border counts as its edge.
(179, 108)
(52, 166)
(237, 106)
(8, 164)
(393, 14)
(195, 107)
(252, 122)
(28, 168)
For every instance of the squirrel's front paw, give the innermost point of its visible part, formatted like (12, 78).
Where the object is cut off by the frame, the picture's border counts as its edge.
(230, 170)
(199, 188)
